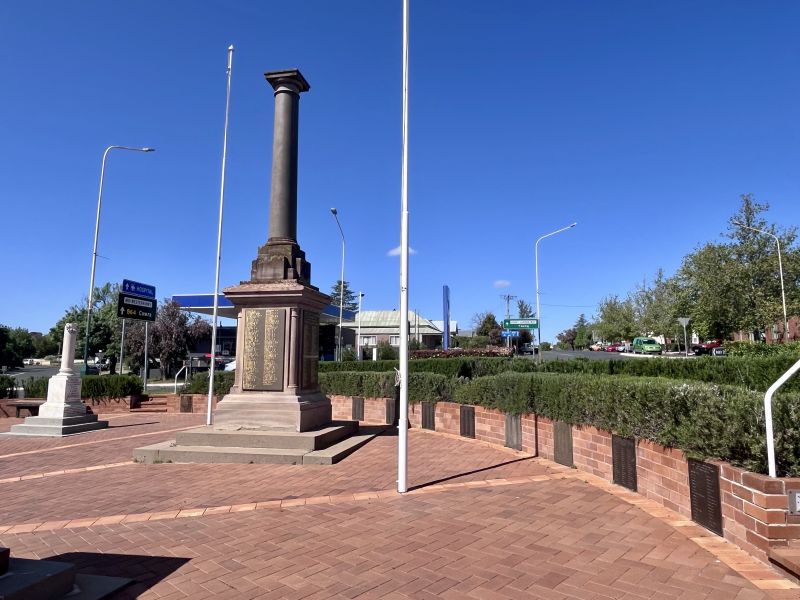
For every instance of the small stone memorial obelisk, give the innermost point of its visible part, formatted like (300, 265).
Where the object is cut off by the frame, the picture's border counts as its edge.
(64, 413)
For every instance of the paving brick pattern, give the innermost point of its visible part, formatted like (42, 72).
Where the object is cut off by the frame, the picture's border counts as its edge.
(494, 526)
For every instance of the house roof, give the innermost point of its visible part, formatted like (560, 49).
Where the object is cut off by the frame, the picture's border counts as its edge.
(388, 322)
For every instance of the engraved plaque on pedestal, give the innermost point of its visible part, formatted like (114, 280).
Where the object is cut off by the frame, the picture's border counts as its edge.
(73, 389)
(264, 332)
(310, 350)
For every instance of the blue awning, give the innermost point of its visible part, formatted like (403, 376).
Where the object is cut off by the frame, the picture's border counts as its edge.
(204, 304)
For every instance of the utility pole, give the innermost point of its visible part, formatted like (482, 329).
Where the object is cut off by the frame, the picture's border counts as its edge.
(508, 298)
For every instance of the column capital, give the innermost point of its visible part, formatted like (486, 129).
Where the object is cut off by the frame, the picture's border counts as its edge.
(291, 78)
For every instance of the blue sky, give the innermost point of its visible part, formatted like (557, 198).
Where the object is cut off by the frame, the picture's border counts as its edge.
(642, 121)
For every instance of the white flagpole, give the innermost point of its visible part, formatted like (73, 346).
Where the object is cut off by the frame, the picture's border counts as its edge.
(219, 241)
(402, 445)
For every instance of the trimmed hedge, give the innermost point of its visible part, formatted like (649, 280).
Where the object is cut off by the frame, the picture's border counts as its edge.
(706, 421)
(7, 386)
(223, 380)
(429, 387)
(754, 373)
(94, 387)
(760, 349)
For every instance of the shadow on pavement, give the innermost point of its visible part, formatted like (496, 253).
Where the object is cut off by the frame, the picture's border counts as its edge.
(457, 475)
(146, 571)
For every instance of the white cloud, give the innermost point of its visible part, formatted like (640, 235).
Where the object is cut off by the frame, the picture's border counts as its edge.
(396, 251)
(502, 283)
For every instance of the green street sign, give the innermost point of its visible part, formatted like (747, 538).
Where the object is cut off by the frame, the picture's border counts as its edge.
(520, 323)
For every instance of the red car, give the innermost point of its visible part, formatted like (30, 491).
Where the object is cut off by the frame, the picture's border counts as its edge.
(611, 348)
(706, 347)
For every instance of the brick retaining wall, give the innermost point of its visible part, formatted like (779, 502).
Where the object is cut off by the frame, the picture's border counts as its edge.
(754, 507)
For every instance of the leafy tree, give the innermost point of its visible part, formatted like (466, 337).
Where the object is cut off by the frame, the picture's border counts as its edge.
(350, 298)
(44, 345)
(616, 318)
(655, 305)
(567, 337)
(524, 311)
(106, 327)
(486, 322)
(171, 335)
(583, 332)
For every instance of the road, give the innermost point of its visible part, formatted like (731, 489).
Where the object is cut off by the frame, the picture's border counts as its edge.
(570, 354)
(30, 372)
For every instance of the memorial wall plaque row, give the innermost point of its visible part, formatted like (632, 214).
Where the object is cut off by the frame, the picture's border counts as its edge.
(429, 416)
(562, 443)
(623, 458)
(704, 495)
(467, 421)
(358, 409)
(514, 432)
(392, 410)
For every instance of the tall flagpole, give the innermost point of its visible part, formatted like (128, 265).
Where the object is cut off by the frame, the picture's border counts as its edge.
(402, 445)
(219, 241)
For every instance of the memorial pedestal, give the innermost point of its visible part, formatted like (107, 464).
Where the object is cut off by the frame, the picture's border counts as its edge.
(64, 413)
(276, 385)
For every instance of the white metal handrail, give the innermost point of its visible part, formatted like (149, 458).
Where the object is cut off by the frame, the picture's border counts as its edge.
(768, 414)
(185, 378)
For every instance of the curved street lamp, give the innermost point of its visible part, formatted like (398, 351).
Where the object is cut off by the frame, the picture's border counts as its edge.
(335, 214)
(780, 270)
(536, 253)
(94, 248)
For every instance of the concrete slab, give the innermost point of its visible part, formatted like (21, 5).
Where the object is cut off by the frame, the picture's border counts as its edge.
(337, 452)
(244, 438)
(29, 579)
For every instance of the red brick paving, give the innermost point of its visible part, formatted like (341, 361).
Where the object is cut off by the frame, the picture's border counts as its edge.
(549, 539)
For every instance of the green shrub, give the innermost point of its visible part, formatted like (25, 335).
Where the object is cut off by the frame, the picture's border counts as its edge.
(94, 387)
(7, 385)
(98, 387)
(36, 387)
(223, 380)
(706, 421)
(760, 349)
(386, 351)
(429, 387)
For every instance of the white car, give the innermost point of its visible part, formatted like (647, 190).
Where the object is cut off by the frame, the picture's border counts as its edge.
(231, 366)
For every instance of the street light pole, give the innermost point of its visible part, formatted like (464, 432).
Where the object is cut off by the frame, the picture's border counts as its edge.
(335, 214)
(94, 248)
(780, 270)
(538, 307)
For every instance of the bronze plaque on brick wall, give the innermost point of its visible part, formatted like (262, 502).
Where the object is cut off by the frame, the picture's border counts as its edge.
(186, 404)
(514, 432)
(264, 334)
(623, 457)
(358, 409)
(562, 442)
(466, 421)
(704, 495)
(428, 415)
(392, 410)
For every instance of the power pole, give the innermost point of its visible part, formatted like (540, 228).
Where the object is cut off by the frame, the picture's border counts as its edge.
(508, 298)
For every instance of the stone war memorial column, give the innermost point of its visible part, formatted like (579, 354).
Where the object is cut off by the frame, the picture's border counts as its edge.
(64, 413)
(277, 347)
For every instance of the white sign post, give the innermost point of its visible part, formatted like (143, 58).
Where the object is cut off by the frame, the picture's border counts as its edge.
(684, 321)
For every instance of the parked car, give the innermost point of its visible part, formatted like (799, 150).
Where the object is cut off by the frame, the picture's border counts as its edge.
(596, 347)
(610, 348)
(646, 345)
(528, 349)
(706, 347)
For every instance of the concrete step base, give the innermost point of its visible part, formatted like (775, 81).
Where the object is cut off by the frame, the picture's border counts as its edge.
(57, 427)
(171, 452)
(244, 438)
(787, 559)
(149, 409)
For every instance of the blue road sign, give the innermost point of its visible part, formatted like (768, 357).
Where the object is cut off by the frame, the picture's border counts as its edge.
(506, 334)
(138, 289)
